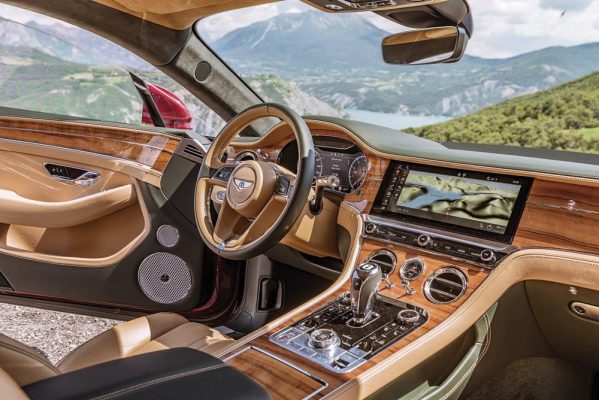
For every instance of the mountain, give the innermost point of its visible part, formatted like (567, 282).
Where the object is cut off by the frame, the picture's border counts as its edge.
(274, 89)
(337, 59)
(52, 68)
(68, 43)
(304, 43)
(565, 117)
(33, 80)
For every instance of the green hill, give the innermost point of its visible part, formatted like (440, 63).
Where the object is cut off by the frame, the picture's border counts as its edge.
(565, 117)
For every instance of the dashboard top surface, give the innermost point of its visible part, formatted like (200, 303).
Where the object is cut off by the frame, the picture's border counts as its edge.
(390, 143)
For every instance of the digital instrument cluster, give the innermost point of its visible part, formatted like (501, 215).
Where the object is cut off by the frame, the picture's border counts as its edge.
(334, 156)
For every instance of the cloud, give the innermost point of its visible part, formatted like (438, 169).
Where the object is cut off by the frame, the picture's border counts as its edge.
(565, 5)
(505, 28)
(24, 16)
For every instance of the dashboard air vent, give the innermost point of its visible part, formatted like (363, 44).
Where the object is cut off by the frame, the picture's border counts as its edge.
(385, 259)
(445, 285)
(193, 151)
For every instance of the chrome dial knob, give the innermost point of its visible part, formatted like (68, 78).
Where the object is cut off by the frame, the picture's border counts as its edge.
(408, 316)
(324, 339)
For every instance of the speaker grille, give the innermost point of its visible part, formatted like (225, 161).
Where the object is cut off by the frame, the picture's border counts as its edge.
(167, 235)
(164, 278)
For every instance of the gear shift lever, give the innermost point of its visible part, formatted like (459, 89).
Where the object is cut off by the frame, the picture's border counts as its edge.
(364, 283)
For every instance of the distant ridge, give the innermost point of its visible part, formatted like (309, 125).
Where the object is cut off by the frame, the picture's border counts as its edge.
(336, 58)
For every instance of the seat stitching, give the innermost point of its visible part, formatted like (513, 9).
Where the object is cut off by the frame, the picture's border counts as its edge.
(156, 381)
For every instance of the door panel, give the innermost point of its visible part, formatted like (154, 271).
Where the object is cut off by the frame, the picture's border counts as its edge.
(56, 221)
(84, 245)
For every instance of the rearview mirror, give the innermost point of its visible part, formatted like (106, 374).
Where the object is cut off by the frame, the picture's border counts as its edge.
(425, 46)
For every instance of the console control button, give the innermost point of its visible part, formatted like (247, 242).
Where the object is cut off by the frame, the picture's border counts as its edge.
(487, 256)
(324, 339)
(346, 298)
(423, 240)
(408, 316)
(370, 228)
(311, 323)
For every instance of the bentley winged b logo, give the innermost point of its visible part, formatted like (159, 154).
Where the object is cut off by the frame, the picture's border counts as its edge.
(242, 184)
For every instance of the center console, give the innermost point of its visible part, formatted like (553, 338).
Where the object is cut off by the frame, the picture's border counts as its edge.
(330, 337)
(449, 214)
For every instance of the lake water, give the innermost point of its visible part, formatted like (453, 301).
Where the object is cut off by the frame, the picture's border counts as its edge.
(395, 121)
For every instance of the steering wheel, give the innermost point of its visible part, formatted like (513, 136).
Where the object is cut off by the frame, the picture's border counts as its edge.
(262, 200)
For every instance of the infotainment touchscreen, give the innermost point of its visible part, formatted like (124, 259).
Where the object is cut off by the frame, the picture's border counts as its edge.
(487, 205)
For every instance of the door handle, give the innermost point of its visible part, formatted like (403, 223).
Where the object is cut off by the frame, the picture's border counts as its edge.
(72, 175)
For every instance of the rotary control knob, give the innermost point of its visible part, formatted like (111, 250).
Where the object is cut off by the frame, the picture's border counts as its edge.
(423, 240)
(324, 339)
(345, 298)
(370, 228)
(487, 256)
(408, 316)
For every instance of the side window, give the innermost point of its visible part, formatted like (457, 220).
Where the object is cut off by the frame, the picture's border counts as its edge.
(50, 66)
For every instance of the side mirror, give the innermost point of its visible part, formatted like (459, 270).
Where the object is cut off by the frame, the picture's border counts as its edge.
(161, 107)
(173, 111)
(445, 44)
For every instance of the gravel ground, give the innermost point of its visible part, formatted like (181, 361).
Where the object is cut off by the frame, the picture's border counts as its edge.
(53, 333)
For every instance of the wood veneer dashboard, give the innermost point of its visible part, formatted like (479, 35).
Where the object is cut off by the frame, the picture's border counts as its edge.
(147, 148)
(561, 213)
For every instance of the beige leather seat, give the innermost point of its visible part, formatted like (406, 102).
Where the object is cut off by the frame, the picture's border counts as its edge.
(142, 335)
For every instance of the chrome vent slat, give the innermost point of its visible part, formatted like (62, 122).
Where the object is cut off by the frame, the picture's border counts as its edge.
(385, 259)
(448, 282)
(191, 149)
(439, 288)
(443, 293)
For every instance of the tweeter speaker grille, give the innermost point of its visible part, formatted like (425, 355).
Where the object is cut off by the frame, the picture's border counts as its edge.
(164, 278)
(167, 235)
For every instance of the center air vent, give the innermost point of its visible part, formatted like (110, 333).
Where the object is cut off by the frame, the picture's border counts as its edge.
(385, 259)
(445, 285)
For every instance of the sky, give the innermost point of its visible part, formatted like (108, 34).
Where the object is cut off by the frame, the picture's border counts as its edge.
(502, 28)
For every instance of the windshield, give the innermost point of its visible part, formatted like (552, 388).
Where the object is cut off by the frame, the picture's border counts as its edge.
(529, 76)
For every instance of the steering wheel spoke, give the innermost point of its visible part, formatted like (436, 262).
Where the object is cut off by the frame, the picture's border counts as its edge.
(222, 175)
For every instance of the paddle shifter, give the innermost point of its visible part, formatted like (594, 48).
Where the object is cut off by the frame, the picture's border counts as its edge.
(364, 283)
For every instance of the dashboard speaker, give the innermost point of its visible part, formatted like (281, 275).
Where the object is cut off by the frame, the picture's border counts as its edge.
(164, 278)
(167, 235)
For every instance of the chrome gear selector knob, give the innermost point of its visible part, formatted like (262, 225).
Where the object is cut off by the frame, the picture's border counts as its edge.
(364, 283)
